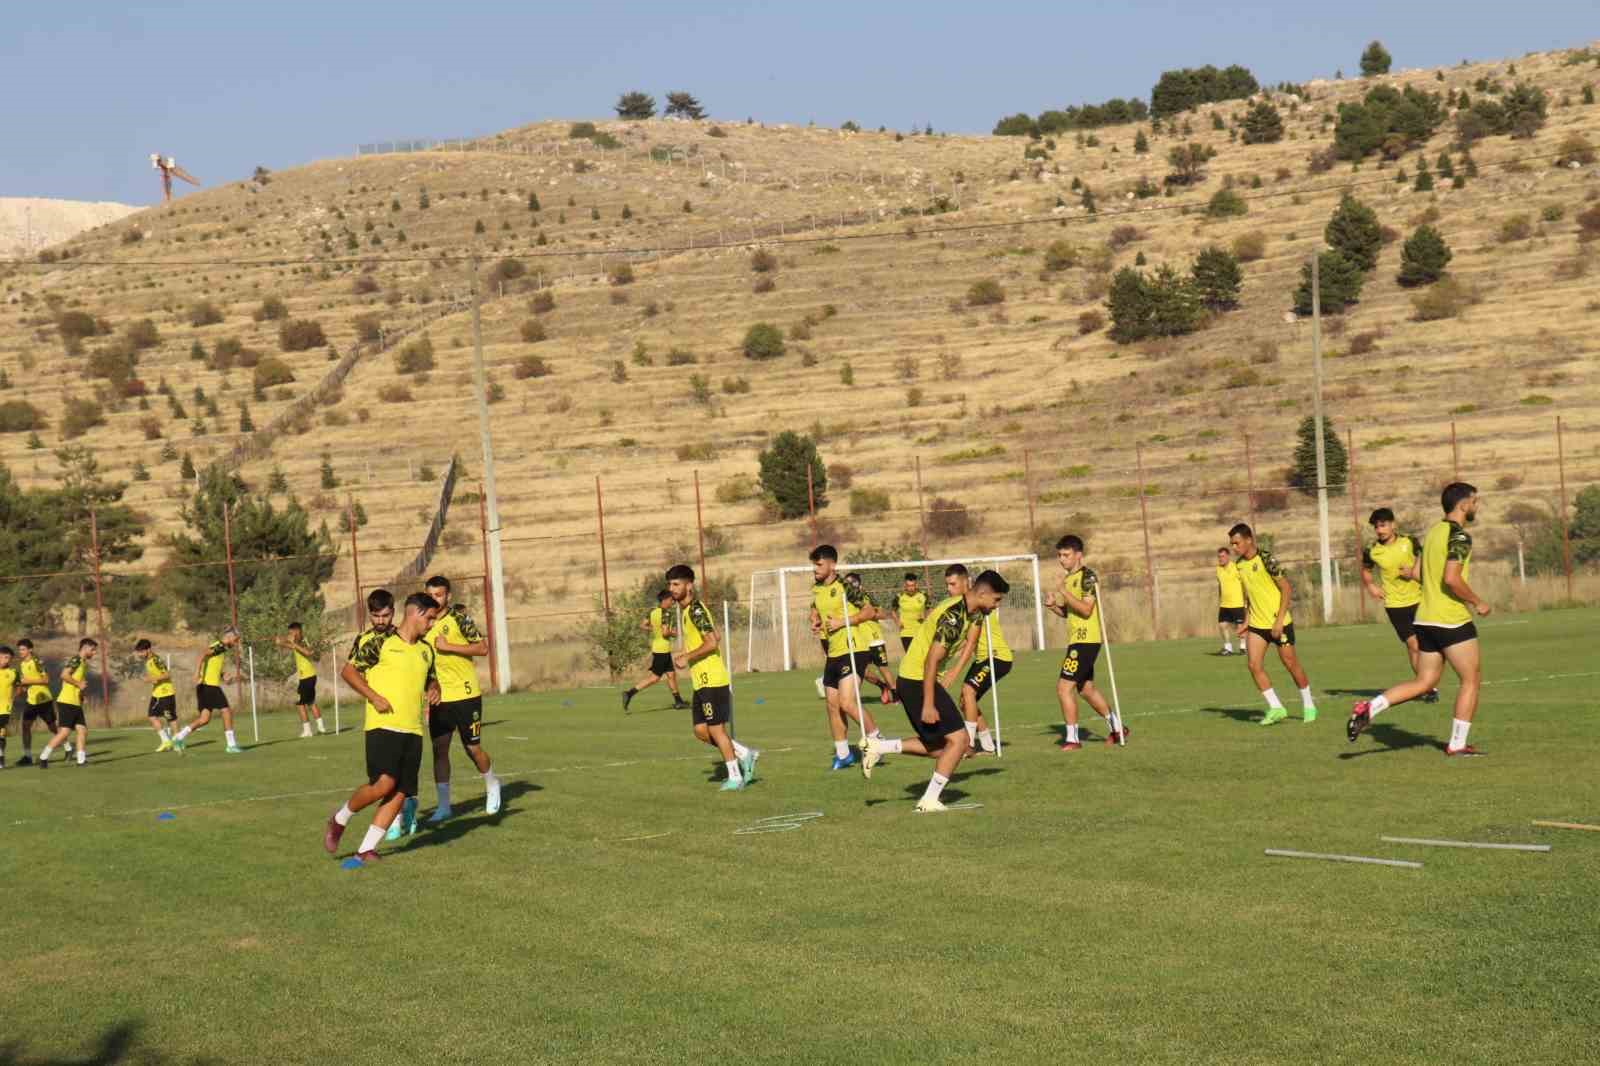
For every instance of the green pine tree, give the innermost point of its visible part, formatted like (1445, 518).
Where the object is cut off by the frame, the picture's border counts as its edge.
(1303, 472)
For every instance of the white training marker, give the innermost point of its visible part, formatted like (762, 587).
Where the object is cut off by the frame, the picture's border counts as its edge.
(1568, 825)
(803, 816)
(510, 737)
(777, 823)
(963, 807)
(1280, 853)
(1425, 842)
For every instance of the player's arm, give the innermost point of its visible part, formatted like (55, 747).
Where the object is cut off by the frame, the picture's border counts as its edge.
(1414, 571)
(969, 650)
(161, 679)
(302, 648)
(1456, 583)
(816, 621)
(1367, 576)
(477, 645)
(709, 642)
(354, 674)
(1083, 608)
(1285, 591)
(644, 624)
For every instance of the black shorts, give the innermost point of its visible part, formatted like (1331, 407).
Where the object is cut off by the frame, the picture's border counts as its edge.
(210, 698)
(979, 679)
(1232, 615)
(45, 710)
(712, 705)
(950, 720)
(163, 707)
(839, 667)
(1404, 621)
(399, 755)
(879, 654)
(661, 663)
(1436, 639)
(1078, 665)
(458, 716)
(905, 642)
(305, 693)
(1266, 635)
(69, 715)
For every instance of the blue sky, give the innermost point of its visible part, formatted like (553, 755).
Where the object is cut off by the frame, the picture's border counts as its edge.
(91, 91)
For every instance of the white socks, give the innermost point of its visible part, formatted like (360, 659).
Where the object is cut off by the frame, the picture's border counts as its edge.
(739, 750)
(936, 785)
(888, 746)
(374, 835)
(343, 815)
(1271, 697)
(1305, 698)
(985, 740)
(183, 734)
(1377, 705)
(491, 784)
(227, 735)
(1458, 733)
(972, 732)
(1072, 733)
(443, 788)
(733, 771)
(320, 727)
(83, 756)
(841, 749)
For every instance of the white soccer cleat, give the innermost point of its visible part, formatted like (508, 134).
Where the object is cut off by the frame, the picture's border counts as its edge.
(929, 806)
(822, 693)
(871, 755)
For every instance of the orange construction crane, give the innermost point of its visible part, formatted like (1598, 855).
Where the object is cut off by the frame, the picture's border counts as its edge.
(170, 169)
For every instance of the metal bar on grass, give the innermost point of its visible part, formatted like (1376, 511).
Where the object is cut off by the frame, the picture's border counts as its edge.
(1283, 854)
(1429, 843)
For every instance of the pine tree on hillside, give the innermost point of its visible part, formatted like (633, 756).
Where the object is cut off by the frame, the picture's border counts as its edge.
(635, 106)
(1303, 474)
(1375, 60)
(1353, 230)
(683, 105)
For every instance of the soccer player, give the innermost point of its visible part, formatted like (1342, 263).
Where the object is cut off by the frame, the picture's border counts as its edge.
(392, 668)
(659, 625)
(37, 703)
(1444, 627)
(876, 669)
(456, 642)
(978, 680)
(1267, 592)
(8, 695)
(305, 670)
(1230, 602)
(1397, 559)
(69, 705)
(941, 733)
(208, 693)
(163, 710)
(910, 604)
(1080, 606)
(837, 610)
(711, 704)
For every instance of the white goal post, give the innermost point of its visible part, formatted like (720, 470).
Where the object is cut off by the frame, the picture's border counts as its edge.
(779, 615)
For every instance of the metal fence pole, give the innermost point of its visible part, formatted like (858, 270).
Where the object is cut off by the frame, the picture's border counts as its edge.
(1249, 482)
(233, 601)
(1455, 453)
(488, 590)
(811, 501)
(1027, 488)
(700, 529)
(1355, 519)
(922, 512)
(100, 616)
(1149, 558)
(355, 563)
(1566, 529)
(600, 518)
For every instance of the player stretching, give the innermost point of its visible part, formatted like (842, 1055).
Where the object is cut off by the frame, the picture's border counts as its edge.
(711, 703)
(833, 603)
(8, 695)
(876, 669)
(1230, 602)
(978, 680)
(305, 672)
(910, 604)
(208, 693)
(1397, 558)
(659, 626)
(163, 709)
(941, 733)
(456, 642)
(69, 705)
(1268, 593)
(37, 703)
(1444, 626)
(392, 667)
(1080, 606)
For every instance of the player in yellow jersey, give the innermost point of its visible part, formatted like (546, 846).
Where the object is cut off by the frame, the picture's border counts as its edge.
(658, 623)
(876, 669)
(37, 703)
(979, 678)
(1267, 592)
(1230, 602)
(69, 705)
(910, 604)
(1395, 559)
(457, 642)
(392, 668)
(305, 674)
(8, 695)
(837, 611)
(163, 709)
(941, 734)
(210, 674)
(1080, 606)
(711, 703)
(1444, 626)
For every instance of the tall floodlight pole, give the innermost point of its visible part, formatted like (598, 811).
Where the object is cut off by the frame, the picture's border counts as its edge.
(1322, 457)
(497, 570)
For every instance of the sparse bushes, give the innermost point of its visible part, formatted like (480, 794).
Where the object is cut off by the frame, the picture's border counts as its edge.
(271, 371)
(764, 283)
(301, 335)
(1060, 255)
(699, 452)
(530, 366)
(761, 341)
(841, 474)
(1090, 322)
(1446, 299)
(273, 309)
(1321, 160)
(1575, 148)
(1122, 236)
(681, 357)
(1589, 223)
(864, 502)
(621, 274)
(1365, 342)
(1188, 163)
(985, 292)
(79, 416)
(507, 270)
(542, 302)
(763, 261)
(949, 518)
(204, 313)
(735, 386)
(1225, 203)
(1423, 257)
(1515, 228)
(75, 326)
(362, 285)
(395, 392)
(141, 335)
(369, 327)
(415, 357)
(736, 489)
(20, 416)
(1248, 247)
(533, 331)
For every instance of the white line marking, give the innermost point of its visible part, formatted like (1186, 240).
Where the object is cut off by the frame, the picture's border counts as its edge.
(1342, 858)
(803, 816)
(510, 737)
(1464, 844)
(775, 827)
(647, 836)
(1568, 825)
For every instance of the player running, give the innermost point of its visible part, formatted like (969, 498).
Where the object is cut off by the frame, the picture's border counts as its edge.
(1444, 628)
(1080, 606)
(711, 703)
(69, 705)
(1268, 593)
(456, 642)
(940, 732)
(1230, 602)
(37, 703)
(1397, 558)
(392, 668)
(208, 693)
(305, 672)
(833, 605)
(8, 695)
(659, 625)
(979, 679)
(163, 709)
(876, 669)
(910, 604)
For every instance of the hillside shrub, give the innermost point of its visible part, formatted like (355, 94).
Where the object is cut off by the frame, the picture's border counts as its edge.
(985, 292)
(76, 325)
(1336, 461)
(542, 302)
(415, 357)
(1262, 124)
(841, 475)
(530, 366)
(784, 465)
(865, 503)
(1248, 247)
(533, 331)
(141, 335)
(1340, 282)
(362, 285)
(20, 416)
(764, 283)
(621, 274)
(204, 313)
(1423, 257)
(948, 518)
(1353, 231)
(1188, 163)
(1060, 255)
(301, 335)
(1090, 322)
(681, 357)
(394, 392)
(763, 261)
(79, 416)
(1365, 342)
(271, 371)
(761, 341)
(1448, 298)
(1589, 223)
(735, 386)
(1225, 203)
(369, 327)
(507, 270)
(1165, 304)
(1515, 228)
(273, 309)
(1575, 148)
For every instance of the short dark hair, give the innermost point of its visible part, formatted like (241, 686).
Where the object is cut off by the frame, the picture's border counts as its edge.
(909, 577)
(139, 645)
(824, 551)
(1070, 541)
(438, 581)
(853, 577)
(1454, 493)
(681, 572)
(88, 642)
(421, 601)
(25, 643)
(1224, 550)
(991, 580)
(1241, 529)
(955, 570)
(380, 600)
(1382, 514)
(663, 595)
(296, 626)
(5, 649)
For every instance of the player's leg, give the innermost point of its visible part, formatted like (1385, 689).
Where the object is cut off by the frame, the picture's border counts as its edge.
(946, 742)
(1067, 697)
(201, 719)
(1465, 659)
(1291, 661)
(1225, 627)
(5, 726)
(232, 745)
(672, 683)
(159, 727)
(469, 726)
(62, 733)
(837, 731)
(1255, 656)
(851, 704)
(81, 735)
(973, 689)
(1430, 667)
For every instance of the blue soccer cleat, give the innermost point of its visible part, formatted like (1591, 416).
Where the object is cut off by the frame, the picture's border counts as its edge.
(747, 765)
(844, 763)
(439, 814)
(732, 786)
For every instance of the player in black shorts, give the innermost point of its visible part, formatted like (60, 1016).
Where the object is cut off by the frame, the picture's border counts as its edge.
(659, 624)
(8, 691)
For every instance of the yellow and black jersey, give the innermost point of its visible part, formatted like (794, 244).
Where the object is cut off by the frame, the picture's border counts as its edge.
(72, 675)
(710, 672)
(364, 636)
(1083, 584)
(1002, 650)
(837, 600)
(910, 606)
(1388, 560)
(659, 643)
(8, 688)
(458, 678)
(154, 668)
(215, 658)
(1438, 605)
(398, 671)
(31, 672)
(1260, 574)
(947, 625)
(304, 666)
(1230, 588)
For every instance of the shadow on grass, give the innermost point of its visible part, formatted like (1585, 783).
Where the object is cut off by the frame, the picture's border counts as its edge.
(1360, 693)
(1393, 738)
(119, 1044)
(1239, 714)
(462, 824)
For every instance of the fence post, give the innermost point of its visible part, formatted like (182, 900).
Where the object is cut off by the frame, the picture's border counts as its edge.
(1566, 530)
(811, 501)
(600, 517)
(922, 513)
(100, 616)
(1027, 487)
(1149, 559)
(488, 589)
(700, 530)
(355, 563)
(1355, 519)
(1455, 454)
(1249, 482)
(233, 600)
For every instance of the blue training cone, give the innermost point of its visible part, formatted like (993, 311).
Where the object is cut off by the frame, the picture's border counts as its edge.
(760, 700)
(352, 863)
(165, 816)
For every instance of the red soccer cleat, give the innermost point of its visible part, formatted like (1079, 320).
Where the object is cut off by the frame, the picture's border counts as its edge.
(1467, 750)
(1070, 745)
(1114, 737)
(368, 856)
(330, 836)
(1360, 718)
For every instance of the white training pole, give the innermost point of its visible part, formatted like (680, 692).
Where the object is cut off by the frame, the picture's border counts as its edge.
(850, 646)
(1111, 671)
(255, 723)
(727, 630)
(334, 655)
(1282, 854)
(994, 686)
(1426, 842)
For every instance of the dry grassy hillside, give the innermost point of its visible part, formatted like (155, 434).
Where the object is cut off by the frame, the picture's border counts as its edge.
(865, 286)
(28, 223)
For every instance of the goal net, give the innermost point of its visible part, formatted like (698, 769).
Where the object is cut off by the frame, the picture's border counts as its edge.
(779, 620)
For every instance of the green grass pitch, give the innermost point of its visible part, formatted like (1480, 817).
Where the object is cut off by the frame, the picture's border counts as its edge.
(1111, 905)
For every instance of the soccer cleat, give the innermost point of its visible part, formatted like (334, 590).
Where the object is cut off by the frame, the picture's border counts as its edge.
(1274, 715)
(1466, 750)
(330, 836)
(1070, 745)
(844, 763)
(491, 802)
(871, 755)
(627, 698)
(1360, 718)
(678, 703)
(440, 814)
(747, 765)
(1308, 714)
(1119, 737)
(234, 749)
(177, 745)
(44, 764)
(166, 745)
(305, 732)
(929, 806)
(368, 857)
(405, 823)
(732, 786)
(1431, 696)
(1225, 651)
(26, 760)
(822, 693)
